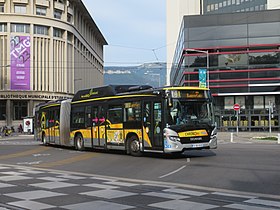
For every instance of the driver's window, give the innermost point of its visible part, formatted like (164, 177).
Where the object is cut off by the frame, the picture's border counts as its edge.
(157, 117)
(173, 113)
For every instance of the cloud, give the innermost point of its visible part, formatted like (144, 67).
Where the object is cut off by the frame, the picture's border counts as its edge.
(130, 23)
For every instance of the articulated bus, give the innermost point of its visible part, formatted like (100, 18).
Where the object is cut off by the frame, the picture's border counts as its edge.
(132, 118)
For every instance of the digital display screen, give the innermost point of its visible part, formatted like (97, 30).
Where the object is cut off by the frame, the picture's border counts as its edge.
(189, 94)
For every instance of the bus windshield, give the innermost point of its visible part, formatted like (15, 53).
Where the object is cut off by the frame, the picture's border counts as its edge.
(190, 112)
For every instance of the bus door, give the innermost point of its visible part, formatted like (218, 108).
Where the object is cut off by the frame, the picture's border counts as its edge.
(99, 126)
(51, 126)
(56, 126)
(95, 127)
(87, 133)
(114, 126)
(153, 130)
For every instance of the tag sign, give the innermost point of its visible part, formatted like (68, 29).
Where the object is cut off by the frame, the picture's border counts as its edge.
(236, 107)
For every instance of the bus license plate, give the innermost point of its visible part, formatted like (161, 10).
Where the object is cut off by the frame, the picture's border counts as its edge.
(197, 145)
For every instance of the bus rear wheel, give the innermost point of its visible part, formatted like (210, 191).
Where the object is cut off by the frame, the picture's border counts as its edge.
(79, 142)
(134, 146)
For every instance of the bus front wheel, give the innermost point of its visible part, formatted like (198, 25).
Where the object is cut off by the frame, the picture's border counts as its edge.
(79, 142)
(134, 146)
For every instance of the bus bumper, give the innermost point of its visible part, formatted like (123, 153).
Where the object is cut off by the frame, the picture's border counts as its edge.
(171, 146)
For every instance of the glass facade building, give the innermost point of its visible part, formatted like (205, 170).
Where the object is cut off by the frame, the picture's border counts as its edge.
(230, 6)
(243, 55)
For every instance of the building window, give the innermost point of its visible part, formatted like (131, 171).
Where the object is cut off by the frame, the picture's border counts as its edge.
(2, 7)
(20, 109)
(41, 11)
(70, 37)
(57, 14)
(2, 110)
(20, 28)
(224, 3)
(69, 18)
(20, 9)
(216, 6)
(44, 30)
(57, 32)
(3, 27)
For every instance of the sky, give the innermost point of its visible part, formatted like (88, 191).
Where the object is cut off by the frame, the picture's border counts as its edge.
(135, 30)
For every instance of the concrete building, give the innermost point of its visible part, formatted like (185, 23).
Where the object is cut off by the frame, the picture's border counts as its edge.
(176, 9)
(243, 54)
(48, 50)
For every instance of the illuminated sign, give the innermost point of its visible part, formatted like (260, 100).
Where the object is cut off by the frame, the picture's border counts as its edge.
(189, 94)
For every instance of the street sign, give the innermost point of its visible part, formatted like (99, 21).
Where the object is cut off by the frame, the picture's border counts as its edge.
(236, 107)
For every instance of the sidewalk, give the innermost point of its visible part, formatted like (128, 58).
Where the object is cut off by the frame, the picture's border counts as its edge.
(246, 137)
(17, 136)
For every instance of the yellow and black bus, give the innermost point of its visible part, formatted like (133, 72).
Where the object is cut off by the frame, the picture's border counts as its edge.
(132, 118)
(52, 122)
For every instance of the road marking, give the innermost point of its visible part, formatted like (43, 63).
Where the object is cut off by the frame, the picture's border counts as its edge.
(78, 158)
(145, 182)
(172, 172)
(25, 153)
(40, 155)
(29, 163)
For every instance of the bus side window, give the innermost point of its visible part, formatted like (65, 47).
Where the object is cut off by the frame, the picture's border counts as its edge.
(132, 111)
(157, 117)
(78, 115)
(115, 114)
(88, 116)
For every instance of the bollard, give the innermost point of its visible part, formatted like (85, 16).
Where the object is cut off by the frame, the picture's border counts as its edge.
(231, 137)
(278, 138)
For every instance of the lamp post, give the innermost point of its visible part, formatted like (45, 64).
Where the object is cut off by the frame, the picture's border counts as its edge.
(207, 61)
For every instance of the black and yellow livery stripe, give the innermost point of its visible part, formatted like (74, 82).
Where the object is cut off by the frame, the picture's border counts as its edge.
(113, 97)
(185, 88)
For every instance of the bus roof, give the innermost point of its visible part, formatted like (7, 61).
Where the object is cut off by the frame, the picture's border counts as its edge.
(119, 90)
(49, 103)
(109, 90)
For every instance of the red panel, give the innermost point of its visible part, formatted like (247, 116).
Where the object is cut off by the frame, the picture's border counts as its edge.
(236, 71)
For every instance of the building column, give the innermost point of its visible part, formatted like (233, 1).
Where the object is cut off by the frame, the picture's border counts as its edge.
(30, 108)
(9, 108)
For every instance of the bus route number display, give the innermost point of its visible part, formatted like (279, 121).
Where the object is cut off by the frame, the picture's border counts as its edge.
(191, 94)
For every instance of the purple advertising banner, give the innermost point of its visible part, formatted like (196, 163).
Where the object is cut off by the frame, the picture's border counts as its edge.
(20, 63)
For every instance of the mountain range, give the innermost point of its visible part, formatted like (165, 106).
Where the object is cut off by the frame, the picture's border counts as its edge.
(153, 74)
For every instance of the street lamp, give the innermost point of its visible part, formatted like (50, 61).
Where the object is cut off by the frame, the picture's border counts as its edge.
(207, 61)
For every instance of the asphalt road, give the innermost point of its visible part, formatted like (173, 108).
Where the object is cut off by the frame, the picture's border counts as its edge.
(248, 167)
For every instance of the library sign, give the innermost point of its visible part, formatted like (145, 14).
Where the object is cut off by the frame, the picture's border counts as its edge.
(33, 96)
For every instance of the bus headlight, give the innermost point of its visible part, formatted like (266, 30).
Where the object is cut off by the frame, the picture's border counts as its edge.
(171, 135)
(174, 138)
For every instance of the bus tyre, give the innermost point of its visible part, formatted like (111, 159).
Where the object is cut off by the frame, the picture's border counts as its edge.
(134, 146)
(79, 142)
